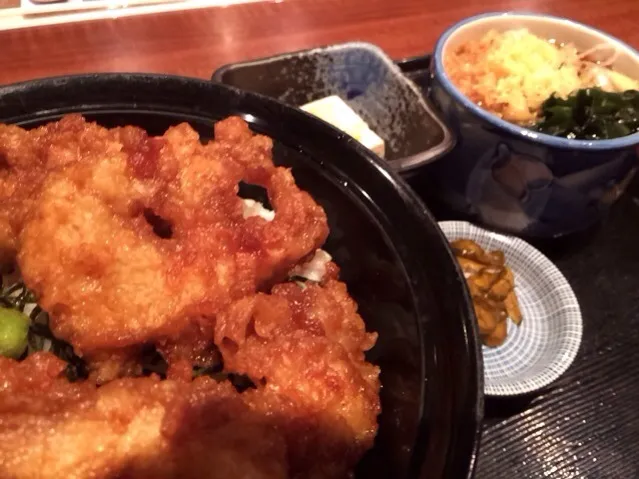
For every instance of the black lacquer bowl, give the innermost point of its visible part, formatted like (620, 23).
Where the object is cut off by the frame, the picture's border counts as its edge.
(394, 258)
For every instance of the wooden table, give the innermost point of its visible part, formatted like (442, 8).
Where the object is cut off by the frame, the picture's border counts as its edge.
(195, 42)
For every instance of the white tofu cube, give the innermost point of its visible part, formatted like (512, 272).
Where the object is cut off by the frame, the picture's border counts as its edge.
(335, 111)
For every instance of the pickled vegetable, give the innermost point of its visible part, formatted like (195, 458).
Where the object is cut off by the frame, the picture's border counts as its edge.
(492, 286)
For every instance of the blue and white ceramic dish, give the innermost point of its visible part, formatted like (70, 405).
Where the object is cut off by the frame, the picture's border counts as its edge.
(514, 179)
(546, 342)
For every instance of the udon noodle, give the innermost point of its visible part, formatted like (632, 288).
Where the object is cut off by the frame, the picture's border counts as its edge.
(512, 73)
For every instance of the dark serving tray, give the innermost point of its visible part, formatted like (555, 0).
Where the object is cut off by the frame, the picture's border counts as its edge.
(586, 423)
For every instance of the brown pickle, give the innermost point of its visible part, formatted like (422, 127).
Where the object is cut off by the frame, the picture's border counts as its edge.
(492, 286)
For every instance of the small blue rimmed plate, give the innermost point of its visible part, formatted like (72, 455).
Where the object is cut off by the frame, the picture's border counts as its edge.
(539, 350)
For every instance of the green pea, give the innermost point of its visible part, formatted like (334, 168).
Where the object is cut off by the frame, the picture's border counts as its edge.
(14, 328)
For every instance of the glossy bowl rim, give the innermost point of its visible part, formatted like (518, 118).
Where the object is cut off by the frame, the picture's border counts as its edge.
(468, 328)
(511, 128)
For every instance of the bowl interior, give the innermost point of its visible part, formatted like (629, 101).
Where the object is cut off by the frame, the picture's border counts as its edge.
(560, 29)
(407, 286)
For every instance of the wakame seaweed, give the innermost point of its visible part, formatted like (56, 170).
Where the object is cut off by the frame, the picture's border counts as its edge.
(591, 114)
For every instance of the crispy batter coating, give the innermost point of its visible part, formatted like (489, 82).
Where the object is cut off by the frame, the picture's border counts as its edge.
(132, 427)
(144, 427)
(305, 350)
(90, 154)
(130, 240)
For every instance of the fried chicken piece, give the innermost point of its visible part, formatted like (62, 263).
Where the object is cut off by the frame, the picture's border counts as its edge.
(134, 427)
(27, 157)
(201, 196)
(304, 348)
(106, 285)
(22, 169)
(129, 240)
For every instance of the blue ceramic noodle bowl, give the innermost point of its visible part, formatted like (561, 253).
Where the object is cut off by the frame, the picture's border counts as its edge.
(514, 179)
